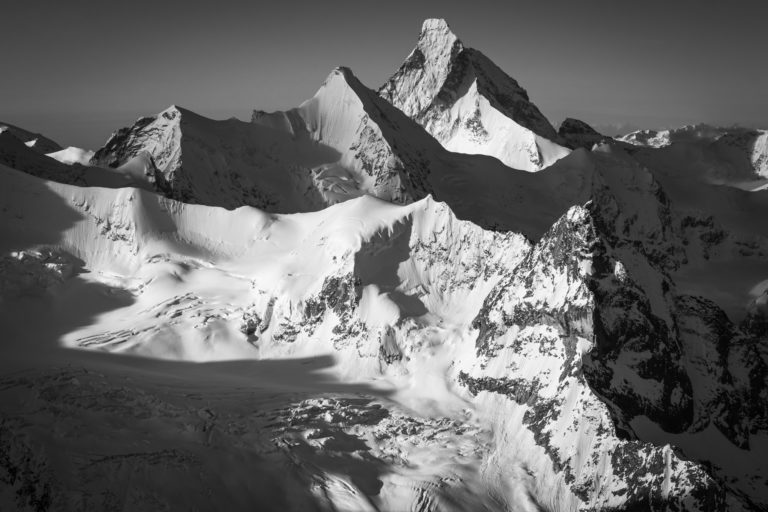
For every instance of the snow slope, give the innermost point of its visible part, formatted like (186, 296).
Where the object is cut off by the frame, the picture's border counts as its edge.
(380, 151)
(528, 400)
(470, 105)
(72, 155)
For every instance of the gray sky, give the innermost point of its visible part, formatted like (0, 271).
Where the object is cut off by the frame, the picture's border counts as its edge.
(77, 70)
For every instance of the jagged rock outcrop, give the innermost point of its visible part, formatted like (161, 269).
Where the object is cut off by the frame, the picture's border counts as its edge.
(580, 335)
(581, 340)
(470, 105)
(536, 346)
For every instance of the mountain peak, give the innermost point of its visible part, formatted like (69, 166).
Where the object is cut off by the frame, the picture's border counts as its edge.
(436, 38)
(456, 93)
(342, 78)
(342, 72)
(173, 111)
(437, 28)
(435, 24)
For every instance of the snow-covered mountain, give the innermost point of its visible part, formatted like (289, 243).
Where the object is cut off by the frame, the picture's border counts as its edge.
(344, 142)
(380, 151)
(222, 163)
(554, 344)
(661, 138)
(735, 157)
(340, 144)
(470, 105)
(333, 308)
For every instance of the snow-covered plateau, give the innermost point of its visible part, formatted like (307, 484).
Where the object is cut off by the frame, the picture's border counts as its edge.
(420, 298)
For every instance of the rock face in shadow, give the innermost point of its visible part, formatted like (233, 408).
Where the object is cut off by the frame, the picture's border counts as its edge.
(17, 155)
(35, 141)
(578, 134)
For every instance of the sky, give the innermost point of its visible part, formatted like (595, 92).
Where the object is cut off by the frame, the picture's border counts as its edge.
(77, 70)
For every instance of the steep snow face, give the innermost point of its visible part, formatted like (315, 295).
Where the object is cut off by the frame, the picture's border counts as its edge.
(578, 134)
(380, 152)
(470, 105)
